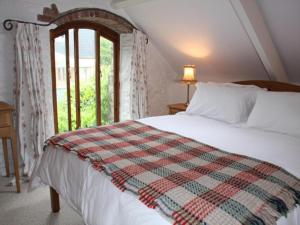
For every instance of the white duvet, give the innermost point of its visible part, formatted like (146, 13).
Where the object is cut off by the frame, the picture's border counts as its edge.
(99, 202)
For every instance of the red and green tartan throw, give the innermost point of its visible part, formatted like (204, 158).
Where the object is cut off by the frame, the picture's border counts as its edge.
(187, 181)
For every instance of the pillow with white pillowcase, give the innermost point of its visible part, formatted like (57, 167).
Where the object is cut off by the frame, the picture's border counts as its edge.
(226, 102)
(239, 85)
(278, 112)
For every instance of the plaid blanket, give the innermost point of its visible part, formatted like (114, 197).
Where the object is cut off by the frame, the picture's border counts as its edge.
(187, 181)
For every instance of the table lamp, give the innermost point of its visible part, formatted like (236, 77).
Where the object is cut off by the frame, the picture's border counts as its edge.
(189, 77)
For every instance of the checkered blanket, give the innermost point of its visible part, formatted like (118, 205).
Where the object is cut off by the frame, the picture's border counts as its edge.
(187, 181)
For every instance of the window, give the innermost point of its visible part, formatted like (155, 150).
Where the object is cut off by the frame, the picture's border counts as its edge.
(85, 75)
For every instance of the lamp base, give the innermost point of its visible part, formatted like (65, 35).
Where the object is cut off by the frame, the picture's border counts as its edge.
(188, 95)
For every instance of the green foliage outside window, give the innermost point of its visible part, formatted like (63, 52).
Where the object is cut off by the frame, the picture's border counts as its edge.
(88, 95)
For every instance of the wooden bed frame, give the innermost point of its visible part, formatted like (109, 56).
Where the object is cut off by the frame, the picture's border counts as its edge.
(272, 85)
(269, 85)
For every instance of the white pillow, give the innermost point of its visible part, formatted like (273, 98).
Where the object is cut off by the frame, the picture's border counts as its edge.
(239, 85)
(225, 102)
(277, 111)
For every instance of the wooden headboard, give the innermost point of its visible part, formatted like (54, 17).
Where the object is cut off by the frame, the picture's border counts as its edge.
(272, 85)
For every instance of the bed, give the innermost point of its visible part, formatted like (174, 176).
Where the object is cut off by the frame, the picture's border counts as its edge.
(99, 201)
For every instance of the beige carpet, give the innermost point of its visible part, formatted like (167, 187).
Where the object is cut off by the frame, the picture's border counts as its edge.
(32, 208)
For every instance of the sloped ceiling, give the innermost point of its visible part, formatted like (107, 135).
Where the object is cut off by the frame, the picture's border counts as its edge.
(209, 34)
(283, 20)
(202, 32)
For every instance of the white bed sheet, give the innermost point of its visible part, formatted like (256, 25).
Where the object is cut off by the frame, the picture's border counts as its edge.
(99, 202)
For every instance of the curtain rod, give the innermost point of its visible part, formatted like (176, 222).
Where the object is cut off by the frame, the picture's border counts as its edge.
(8, 23)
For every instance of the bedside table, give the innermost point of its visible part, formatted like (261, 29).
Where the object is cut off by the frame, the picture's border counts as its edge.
(175, 108)
(7, 131)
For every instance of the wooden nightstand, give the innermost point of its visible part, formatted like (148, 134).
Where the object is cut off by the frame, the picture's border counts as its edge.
(8, 132)
(175, 108)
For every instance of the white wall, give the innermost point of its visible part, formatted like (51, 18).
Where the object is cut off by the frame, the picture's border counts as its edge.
(27, 10)
(160, 77)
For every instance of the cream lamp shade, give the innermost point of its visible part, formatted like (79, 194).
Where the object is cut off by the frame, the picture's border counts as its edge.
(189, 74)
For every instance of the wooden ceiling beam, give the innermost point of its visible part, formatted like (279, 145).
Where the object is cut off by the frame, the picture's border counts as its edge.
(121, 4)
(254, 24)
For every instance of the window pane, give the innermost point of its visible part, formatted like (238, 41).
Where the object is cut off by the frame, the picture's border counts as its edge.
(107, 81)
(61, 83)
(87, 77)
(72, 78)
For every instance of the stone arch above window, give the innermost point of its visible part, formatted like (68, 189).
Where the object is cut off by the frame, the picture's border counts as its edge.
(95, 15)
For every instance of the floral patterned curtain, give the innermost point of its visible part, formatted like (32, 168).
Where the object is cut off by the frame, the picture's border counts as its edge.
(138, 80)
(30, 95)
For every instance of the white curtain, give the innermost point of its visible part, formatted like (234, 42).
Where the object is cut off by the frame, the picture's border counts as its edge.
(30, 95)
(126, 47)
(138, 77)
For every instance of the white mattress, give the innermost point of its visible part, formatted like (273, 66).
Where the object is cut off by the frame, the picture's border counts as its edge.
(99, 202)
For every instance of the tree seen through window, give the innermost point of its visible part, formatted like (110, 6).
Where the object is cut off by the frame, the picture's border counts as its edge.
(87, 66)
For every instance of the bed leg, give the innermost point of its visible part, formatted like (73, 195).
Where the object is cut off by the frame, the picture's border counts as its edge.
(54, 200)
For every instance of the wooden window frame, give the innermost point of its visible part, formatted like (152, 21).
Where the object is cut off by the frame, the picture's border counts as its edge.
(100, 31)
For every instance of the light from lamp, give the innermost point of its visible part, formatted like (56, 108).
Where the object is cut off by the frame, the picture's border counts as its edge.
(189, 73)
